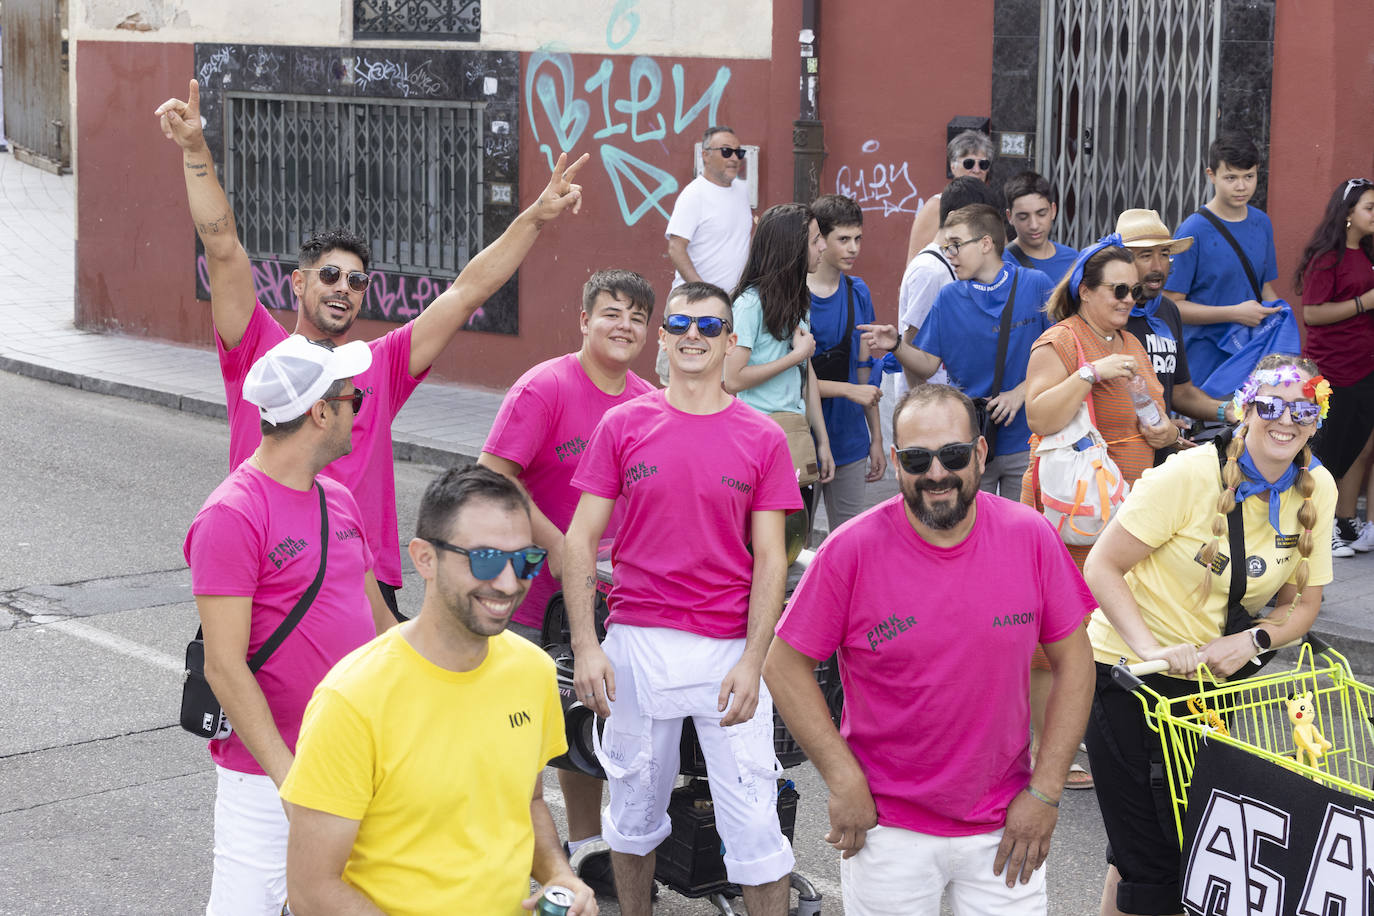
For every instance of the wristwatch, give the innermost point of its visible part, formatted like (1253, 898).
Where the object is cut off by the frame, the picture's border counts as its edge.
(1260, 637)
(1086, 374)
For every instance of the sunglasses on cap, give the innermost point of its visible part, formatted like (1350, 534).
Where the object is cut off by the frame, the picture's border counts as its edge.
(983, 164)
(488, 563)
(708, 325)
(1270, 407)
(727, 151)
(329, 275)
(356, 397)
(953, 457)
(1123, 291)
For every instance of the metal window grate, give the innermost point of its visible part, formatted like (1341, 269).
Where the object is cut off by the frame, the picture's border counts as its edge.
(406, 175)
(458, 20)
(1129, 93)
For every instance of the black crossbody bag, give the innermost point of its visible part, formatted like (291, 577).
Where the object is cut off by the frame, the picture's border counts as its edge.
(201, 713)
(832, 365)
(987, 426)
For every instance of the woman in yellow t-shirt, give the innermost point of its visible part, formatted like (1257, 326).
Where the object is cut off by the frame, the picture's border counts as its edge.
(1161, 575)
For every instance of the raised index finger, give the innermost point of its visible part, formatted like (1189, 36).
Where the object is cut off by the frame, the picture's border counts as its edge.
(193, 97)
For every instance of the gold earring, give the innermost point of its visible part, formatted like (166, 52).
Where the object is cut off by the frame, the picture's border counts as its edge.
(1347, 225)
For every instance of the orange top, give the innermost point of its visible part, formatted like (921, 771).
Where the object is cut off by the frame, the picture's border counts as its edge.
(1114, 415)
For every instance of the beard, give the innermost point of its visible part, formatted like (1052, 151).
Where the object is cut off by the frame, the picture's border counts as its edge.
(328, 321)
(941, 517)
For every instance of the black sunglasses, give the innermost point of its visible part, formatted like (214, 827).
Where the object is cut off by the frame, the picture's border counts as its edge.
(488, 563)
(356, 397)
(708, 325)
(953, 457)
(329, 275)
(728, 151)
(1123, 291)
(983, 164)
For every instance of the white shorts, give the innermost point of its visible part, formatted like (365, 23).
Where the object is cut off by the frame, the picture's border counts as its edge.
(250, 847)
(661, 677)
(900, 872)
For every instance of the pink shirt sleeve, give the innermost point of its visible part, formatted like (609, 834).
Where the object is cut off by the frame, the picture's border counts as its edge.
(391, 361)
(521, 426)
(224, 550)
(778, 476)
(598, 473)
(816, 618)
(1067, 601)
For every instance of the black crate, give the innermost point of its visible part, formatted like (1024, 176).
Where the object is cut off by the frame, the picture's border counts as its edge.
(690, 860)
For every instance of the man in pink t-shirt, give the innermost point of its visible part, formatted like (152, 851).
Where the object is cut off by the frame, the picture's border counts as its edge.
(935, 601)
(329, 284)
(705, 479)
(254, 550)
(544, 424)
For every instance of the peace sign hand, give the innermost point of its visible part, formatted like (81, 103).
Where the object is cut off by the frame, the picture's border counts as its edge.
(561, 192)
(181, 120)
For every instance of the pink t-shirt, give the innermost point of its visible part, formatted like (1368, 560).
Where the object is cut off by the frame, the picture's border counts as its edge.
(544, 423)
(935, 649)
(690, 482)
(259, 538)
(367, 471)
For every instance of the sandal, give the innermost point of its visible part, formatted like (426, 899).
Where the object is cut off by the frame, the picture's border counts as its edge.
(1078, 778)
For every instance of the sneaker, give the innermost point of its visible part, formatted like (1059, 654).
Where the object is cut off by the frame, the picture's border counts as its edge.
(1365, 542)
(1342, 536)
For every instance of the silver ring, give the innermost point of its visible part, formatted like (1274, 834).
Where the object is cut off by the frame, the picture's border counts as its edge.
(589, 695)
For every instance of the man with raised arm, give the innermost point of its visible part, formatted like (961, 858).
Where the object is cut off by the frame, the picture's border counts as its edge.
(329, 284)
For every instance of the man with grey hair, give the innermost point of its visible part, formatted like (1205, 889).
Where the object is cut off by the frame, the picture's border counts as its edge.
(969, 153)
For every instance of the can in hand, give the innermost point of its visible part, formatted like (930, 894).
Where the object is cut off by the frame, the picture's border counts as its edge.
(555, 901)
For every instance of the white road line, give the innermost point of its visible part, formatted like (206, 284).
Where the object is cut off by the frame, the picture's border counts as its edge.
(117, 644)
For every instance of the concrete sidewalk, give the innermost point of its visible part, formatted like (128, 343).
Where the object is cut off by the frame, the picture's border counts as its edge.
(442, 422)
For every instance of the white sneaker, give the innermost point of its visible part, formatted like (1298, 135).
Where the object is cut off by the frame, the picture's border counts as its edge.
(1340, 547)
(1365, 542)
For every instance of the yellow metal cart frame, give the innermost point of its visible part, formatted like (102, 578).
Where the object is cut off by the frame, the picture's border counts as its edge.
(1251, 714)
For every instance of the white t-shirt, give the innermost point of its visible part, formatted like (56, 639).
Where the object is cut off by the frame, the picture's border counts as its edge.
(716, 223)
(922, 281)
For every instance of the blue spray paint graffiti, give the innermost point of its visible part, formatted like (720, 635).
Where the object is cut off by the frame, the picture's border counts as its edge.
(553, 103)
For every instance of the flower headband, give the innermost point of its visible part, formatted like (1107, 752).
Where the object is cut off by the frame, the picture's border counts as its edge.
(1316, 388)
(1076, 275)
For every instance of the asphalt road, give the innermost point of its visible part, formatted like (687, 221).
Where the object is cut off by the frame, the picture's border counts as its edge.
(105, 804)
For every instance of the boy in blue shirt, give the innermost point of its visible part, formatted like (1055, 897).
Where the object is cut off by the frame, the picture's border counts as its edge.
(847, 377)
(1031, 209)
(1211, 286)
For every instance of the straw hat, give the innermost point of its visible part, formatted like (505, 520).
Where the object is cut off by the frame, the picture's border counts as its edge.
(1144, 229)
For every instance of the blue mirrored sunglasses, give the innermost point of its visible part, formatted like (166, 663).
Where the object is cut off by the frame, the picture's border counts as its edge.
(488, 563)
(708, 325)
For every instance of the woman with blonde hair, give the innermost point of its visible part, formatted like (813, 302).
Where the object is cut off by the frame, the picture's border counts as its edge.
(1162, 574)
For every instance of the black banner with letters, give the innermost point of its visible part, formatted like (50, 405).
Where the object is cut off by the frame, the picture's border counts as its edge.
(1262, 840)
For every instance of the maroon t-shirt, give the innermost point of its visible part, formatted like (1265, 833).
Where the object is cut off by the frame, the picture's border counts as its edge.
(1344, 351)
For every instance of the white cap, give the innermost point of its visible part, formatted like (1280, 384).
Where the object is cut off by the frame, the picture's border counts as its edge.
(296, 373)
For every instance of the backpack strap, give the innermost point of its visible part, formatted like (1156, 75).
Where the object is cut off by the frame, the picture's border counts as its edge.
(941, 258)
(1021, 257)
(1220, 226)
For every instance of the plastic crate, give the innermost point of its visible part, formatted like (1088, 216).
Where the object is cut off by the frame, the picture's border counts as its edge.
(690, 860)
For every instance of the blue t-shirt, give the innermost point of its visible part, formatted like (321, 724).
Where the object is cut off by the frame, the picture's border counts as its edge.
(784, 390)
(1209, 273)
(844, 420)
(962, 329)
(1054, 267)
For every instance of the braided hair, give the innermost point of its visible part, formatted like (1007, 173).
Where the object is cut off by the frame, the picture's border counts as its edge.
(1231, 477)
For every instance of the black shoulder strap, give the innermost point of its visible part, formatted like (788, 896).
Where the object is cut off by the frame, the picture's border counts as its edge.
(991, 429)
(937, 256)
(1235, 246)
(849, 322)
(1021, 257)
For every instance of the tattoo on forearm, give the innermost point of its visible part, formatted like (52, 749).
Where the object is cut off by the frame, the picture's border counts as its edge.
(591, 582)
(198, 169)
(214, 226)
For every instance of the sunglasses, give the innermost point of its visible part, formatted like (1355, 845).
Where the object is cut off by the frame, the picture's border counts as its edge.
(951, 250)
(727, 151)
(1122, 291)
(329, 275)
(1269, 407)
(953, 457)
(708, 325)
(983, 164)
(356, 397)
(1354, 183)
(488, 563)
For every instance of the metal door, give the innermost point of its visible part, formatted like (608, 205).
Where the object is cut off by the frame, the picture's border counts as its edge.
(1128, 108)
(35, 55)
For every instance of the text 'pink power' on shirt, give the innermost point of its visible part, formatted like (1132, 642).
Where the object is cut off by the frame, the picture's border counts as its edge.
(934, 649)
(544, 424)
(368, 470)
(690, 483)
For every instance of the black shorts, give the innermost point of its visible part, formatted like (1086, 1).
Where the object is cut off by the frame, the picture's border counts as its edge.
(1347, 427)
(1142, 841)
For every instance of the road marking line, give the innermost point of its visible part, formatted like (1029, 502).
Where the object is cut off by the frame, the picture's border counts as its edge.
(118, 644)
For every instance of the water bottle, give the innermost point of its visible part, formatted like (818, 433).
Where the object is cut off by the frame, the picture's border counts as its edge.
(1145, 409)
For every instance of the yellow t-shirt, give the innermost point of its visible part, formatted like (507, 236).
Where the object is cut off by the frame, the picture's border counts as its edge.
(1171, 508)
(438, 766)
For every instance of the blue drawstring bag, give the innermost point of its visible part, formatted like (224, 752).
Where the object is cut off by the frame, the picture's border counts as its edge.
(1277, 333)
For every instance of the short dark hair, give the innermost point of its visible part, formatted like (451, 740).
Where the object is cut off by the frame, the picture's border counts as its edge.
(925, 394)
(1028, 183)
(619, 284)
(448, 493)
(1235, 149)
(698, 291)
(287, 427)
(963, 191)
(983, 220)
(318, 245)
(831, 210)
(714, 129)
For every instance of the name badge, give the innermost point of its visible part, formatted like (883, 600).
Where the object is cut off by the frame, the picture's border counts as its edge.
(1285, 541)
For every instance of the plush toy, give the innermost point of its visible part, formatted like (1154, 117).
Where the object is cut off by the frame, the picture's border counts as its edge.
(1309, 743)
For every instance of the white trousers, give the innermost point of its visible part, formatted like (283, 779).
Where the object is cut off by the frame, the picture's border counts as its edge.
(904, 873)
(250, 847)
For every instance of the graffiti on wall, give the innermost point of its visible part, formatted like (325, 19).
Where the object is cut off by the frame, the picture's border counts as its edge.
(879, 184)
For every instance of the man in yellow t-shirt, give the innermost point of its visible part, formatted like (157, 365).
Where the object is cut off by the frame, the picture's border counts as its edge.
(416, 785)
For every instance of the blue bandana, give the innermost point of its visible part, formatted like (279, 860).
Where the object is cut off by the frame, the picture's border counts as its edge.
(1150, 312)
(1254, 483)
(1076, 275)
